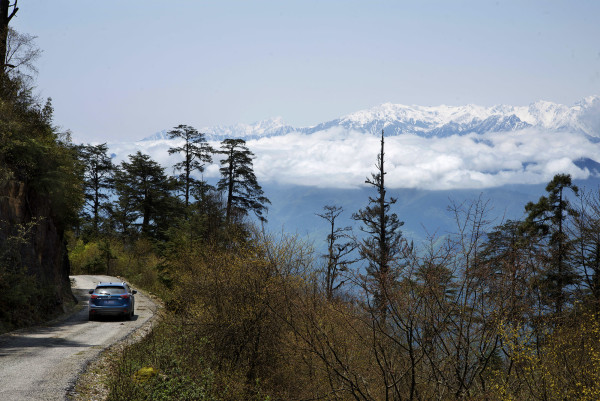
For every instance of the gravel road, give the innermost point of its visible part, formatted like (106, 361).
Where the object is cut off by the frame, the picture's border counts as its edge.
(43, 362)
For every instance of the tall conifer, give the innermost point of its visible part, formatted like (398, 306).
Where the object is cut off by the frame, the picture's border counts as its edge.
(238, 180)
(196, 153)
(383, 244)
(547, 219)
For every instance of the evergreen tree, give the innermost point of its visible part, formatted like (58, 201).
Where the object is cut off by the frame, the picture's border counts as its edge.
(122, 210)
(97, 181)
(507, 272)
(208, 214)
(196, 153)
(144, 195)
(383, 245)
(238, 180)
(548, 219)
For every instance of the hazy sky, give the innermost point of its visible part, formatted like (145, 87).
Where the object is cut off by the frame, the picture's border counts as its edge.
(122, 70)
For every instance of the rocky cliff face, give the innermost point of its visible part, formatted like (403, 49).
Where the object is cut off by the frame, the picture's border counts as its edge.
(43, 251)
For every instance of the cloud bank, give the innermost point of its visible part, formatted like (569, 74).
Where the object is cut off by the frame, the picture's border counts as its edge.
(338, 158)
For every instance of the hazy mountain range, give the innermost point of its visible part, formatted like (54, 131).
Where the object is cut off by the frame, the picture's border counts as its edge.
(438, 121)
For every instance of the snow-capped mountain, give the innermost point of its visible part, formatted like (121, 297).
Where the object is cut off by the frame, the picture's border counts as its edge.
(437, 121)
(442, 121)
(265, 128)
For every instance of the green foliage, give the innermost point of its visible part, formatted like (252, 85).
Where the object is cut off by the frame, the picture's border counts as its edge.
(161, 369)
(42, 163)
(144, 193)
(138, 261)
(31, 151)
(196, 153)
(247, 318)
(221, 337)
(97, 183)
(547, 219)
(383, 246)
(24, 300)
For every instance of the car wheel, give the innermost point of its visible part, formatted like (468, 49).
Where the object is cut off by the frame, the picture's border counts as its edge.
(90, 317)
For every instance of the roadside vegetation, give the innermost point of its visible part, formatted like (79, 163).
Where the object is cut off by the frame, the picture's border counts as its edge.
(495, 310)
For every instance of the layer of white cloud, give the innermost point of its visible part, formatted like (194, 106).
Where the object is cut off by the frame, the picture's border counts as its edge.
(344, 159)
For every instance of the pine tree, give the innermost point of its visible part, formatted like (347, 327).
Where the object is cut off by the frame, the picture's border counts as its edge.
(97, 181)
(503, 260)
(383, 245)
(238, 180)
(548, 219)
(196, 153)
(144, 193)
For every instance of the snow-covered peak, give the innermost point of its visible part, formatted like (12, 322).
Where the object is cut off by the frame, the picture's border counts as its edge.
(589, 101)
(445, 120)
(437, 116)
(440, 121)
(269, 127)
(157, 136)
(549, 115)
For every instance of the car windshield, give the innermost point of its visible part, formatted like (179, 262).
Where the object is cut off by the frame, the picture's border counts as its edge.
(110, 290)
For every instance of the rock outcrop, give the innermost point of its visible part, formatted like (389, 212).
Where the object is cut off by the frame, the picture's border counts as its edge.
(43, 251)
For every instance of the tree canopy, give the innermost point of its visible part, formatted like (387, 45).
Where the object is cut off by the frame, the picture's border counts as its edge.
(243, 193)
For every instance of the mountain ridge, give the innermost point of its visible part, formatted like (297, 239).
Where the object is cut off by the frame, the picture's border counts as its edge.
(431, 121)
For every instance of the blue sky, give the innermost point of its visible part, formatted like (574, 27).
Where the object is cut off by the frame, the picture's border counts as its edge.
(121, 70)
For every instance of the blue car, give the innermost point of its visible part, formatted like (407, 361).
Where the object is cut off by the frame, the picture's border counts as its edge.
(112, 299)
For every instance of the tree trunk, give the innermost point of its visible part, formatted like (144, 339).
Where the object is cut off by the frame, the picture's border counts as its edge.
(230, 189)
(5, 18)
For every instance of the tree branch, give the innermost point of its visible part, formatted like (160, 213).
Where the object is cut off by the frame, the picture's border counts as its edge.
(15, 9)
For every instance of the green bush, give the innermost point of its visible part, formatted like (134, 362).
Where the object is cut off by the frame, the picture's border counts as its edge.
(23, 300)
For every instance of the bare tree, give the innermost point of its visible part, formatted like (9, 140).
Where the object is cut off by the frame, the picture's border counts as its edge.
(586, 230)
(21, 54)
(337, 252)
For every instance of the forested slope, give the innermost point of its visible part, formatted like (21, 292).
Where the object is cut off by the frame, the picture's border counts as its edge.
(40, 193)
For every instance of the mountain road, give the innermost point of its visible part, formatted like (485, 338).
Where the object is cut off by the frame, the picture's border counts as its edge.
(42, 363)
